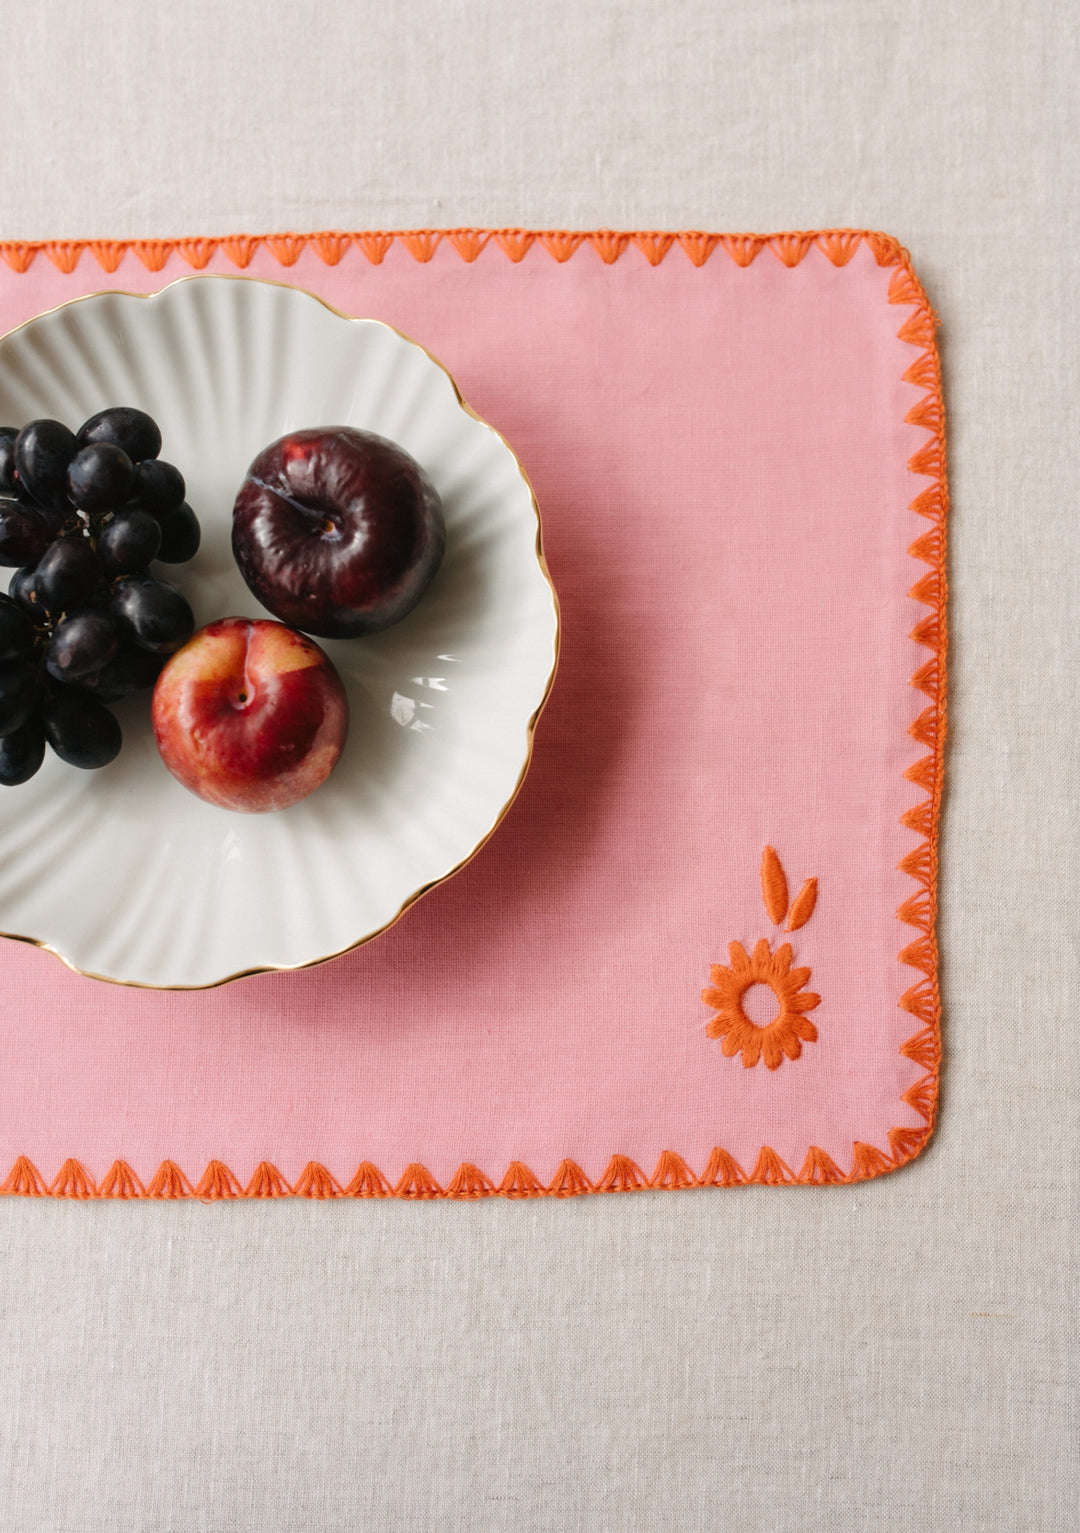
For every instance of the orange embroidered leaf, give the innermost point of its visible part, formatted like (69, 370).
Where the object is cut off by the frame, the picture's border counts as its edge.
(153, 253)
(886, 250)
(374, 244)
(516, 243)
(64, 254)
(904, 287)
(121, 1182)
(920, 955)
(468, 242)
(217, 1181)
(286, 249)
(930, 503)
(918, 330)
(923, 1049)
(920, 819)
(868, 1162)
(742, 248)
(774, 886)
(73, 1181)
(108, 253)
(916, 911)
(468, 1181)
(790, 248)
(417, 1182)
(519, 1182)
(922, 1097)
(330, 247)
(197, 253)
(925, 727)
(316, 1182)
(609, 245)
(927, 413)
(368, 1182)
(699, 247)
(722, 1170)
(169, 1182)
(921, 1001)
(240, 248)
(929, 547)
(18, 255)
(923, 372)
(421, 243)
(819, 1169)
(802, 906)
(654, 246)
(907, 1142)
(569, 1180)
(928, 678)
(622, 1175)
(672, 1172)
(923, 773)
(840, 245)
(770, 1170)
(267, 1182)
(561, 243)
(24, 1180)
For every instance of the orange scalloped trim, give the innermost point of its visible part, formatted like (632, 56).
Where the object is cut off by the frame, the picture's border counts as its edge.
(330, 245)
(922, 1000)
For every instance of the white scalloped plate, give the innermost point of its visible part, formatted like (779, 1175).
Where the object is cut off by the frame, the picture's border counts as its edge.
(121, 872)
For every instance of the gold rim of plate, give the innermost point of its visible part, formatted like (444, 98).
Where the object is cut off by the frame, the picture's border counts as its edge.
(311, 963)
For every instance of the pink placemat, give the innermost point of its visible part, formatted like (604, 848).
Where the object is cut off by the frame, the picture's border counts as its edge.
(700, 948)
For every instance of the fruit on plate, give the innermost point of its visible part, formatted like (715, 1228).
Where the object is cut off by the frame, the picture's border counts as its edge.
(83, 515)
(250, 715)
(337, 532)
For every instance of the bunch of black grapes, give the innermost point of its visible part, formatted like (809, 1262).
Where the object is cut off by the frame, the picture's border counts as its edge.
(85, 623)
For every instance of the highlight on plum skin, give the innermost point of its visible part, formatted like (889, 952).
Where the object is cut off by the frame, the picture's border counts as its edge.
(250, 715)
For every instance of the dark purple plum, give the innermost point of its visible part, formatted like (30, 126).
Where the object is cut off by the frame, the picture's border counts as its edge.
(337, 532)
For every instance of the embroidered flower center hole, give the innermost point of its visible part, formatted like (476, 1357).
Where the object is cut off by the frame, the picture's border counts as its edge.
(760, 1005)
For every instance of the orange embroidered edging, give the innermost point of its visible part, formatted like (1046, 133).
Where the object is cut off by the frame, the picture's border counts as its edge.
(331, 245)
(922, 1000)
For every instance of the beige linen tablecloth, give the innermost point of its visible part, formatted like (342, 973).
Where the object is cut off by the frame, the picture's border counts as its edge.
(897, 1355)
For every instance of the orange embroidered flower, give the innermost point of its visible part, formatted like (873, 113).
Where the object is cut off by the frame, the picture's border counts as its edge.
(780, 1036)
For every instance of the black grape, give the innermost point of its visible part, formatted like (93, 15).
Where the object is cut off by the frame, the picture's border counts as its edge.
(99, 477)
(80, 730)
(154, 614)
(180, 536)
(66, 574)
(24, 537)
(127, 541)
(81, 644)
(20, 689)
(16, 631)
(7, 459)
(21, 753)
(43, 450)
(21, 590)
(159, 487)
(130, 670)
(133, 430)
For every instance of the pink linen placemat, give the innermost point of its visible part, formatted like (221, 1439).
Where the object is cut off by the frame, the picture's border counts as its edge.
(700, 948)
